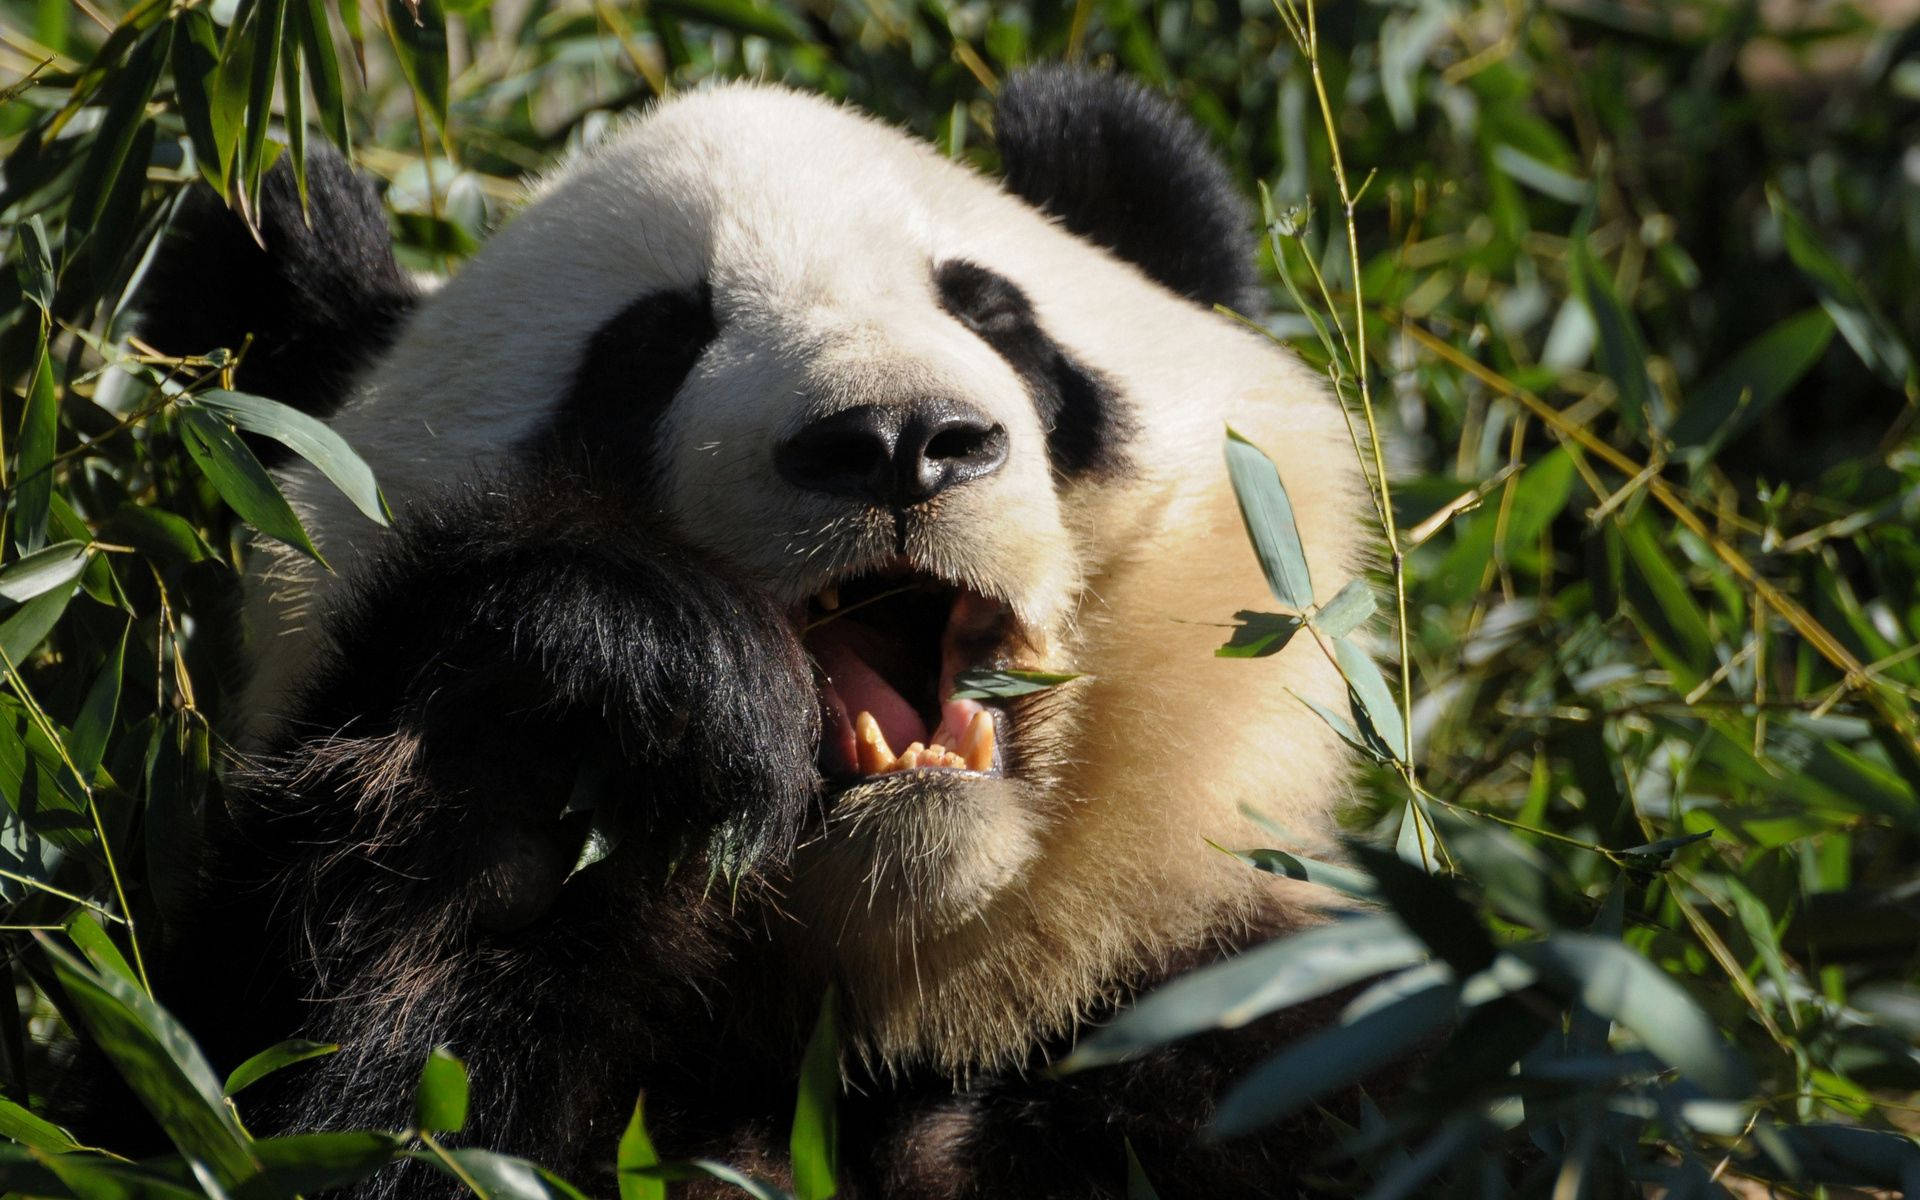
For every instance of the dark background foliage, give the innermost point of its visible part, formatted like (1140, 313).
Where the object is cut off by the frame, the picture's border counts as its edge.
(1634, 284)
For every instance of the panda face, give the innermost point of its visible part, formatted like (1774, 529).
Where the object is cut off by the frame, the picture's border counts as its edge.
(829, 388)
(946, 431)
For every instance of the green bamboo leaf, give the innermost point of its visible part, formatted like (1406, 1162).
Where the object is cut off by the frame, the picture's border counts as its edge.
(1259, 634)
(419, 29)
(1347, 611)
(33, 456)
(1854, 313)
(1333, 1060)
(1357, 884)
(312, 440)
(1139, 1187)
(111, 154)
(93, 728)
(500, 1176)
(815, 1140)
(637, 1155)
(440, 1100)
(1374, 708)
(30, 1130)
(98, 946)
(196, 77)
(1269, 519)
(274, 1058)
(35, 264)
(323, 69)
(42, 571)
(1623, 351)
(302, 1164)
(27, 626)
(1344, 727)
(1262, 980)
(1001, 685)
(1617, 984)
(267, 26)
(1753, 382)
(293, 103)
(240, 479)
(159, 1062)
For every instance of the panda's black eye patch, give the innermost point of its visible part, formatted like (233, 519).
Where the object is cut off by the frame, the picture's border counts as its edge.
(632, 369)
(1084, 415)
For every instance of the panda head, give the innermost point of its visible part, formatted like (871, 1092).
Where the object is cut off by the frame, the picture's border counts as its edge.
(952, 424)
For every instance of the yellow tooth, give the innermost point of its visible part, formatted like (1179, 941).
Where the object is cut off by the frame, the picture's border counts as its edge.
(910, 757)
(830, 598)
(976, 746)
(936, 751)
(870, 746)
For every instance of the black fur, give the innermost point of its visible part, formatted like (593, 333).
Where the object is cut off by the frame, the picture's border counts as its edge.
(1124, 167)
(633, 368)
(323, 299)
(526, 658)
(1085, 417)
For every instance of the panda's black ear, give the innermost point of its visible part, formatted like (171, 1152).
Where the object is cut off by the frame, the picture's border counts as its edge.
(1122, 166)
(323, 298)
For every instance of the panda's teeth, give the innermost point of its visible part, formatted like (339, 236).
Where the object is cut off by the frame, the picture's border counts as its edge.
(829, 598)
(976, 745)
(870, 746)
(973, 751)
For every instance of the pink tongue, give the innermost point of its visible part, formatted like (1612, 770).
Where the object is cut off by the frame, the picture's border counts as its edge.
(859, 688)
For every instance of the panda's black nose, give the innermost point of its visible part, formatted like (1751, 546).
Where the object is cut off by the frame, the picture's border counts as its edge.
(894, 455)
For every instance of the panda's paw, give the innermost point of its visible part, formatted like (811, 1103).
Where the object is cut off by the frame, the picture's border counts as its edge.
(561, 683)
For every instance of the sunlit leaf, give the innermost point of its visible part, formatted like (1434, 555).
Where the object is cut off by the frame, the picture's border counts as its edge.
(274, 1058)
(636, 1155)
(1326, 1062)
(1001, 685)
(1269, 519)
(159, 1062)
(1618, 984)
(815, 1140)
(1260, 634)
(440, 1098)
(1264, 979)
(42, 571)
(312, 440)
(240, 479)
(1348, 609)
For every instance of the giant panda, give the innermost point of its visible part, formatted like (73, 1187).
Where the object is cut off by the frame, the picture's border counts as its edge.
(758, 425)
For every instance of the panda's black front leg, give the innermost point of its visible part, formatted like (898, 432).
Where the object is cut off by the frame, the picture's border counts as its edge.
(530, 669)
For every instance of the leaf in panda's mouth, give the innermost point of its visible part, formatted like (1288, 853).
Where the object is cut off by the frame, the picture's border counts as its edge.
(1003, 685)
(890, 648)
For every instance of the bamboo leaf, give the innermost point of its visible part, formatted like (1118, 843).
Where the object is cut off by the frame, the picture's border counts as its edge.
(1269, 519)
(274, 1058)
(815, 1140)
(240, 479)
(312, 440)
(440, 1099)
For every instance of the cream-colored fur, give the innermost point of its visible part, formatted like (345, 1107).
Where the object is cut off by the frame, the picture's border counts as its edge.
(962, 924)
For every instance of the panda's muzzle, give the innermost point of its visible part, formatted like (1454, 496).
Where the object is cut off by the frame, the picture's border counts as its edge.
(887, 646)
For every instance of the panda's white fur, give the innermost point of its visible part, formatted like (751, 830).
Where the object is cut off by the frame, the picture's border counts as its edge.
(966, 924)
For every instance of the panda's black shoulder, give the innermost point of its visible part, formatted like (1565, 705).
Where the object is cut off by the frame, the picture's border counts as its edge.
(313, 292)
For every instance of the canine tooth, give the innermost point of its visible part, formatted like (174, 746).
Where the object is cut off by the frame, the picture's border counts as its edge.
(830, 597)
(870, 746)
(977, 746)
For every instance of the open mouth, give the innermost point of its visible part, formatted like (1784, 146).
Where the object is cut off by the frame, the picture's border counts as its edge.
(888, 645)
